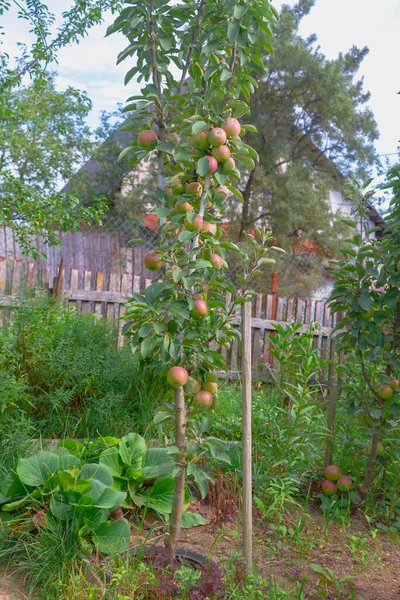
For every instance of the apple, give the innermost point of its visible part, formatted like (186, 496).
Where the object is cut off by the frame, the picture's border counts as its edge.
(367, 315)
(210, 386)
(152, 261)
(200, 309)
(387, 330)
(203, 399)
(194, 188)
(174, 137)
(395, 383)
(229, 166)
(183, 207)
(379, 449)
(222, 190)
(217, 261)
(216, 137)
(328, 488)
(177, 376)
(176, 184)
(385, 392)
(213, 165)
(170, 269)
(147, 139)
(332, 472)
(232, 127)
(210, 227)
(200, 140)
(197, 224)
(344, 483)
(221, 154)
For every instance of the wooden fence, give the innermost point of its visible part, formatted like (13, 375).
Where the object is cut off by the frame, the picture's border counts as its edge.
(105, 294)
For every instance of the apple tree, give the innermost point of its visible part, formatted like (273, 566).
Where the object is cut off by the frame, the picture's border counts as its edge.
(196, 61)
(366, 291)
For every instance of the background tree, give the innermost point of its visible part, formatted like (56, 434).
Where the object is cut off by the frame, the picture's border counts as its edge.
(311, 113)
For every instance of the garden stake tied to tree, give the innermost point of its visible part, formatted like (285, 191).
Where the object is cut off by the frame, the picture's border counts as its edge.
(193, 125)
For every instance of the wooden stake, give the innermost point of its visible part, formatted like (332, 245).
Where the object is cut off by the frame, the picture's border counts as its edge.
(246, 437)
(331, 422)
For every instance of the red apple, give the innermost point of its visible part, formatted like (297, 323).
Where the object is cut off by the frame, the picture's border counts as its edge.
(168, 190)
(217, 261)
(210, 386)
(344, 483)
(216, 137)
(195, 188)
(213, 166)
(200, 140)
(152, 261)
(222, 190)
(221, 154)
(177, 376)
(147, 139)
(174, 137)
(332, 472)
(328, 488)
(229, 166)
(203, 399)
(210, 227)
(232, 127)
(385, 392)
(200, 309)
(183, 207)
(197, 224)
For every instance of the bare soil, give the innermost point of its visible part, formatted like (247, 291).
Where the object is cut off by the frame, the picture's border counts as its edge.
(372, 563)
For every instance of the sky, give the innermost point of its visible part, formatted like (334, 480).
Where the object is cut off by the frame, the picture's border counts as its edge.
(339, 24)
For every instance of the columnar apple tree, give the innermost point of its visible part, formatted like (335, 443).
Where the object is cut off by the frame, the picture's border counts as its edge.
(367, 291)
(197, 61)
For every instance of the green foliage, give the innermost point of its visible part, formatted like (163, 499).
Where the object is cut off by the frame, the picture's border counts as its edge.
(62, 374)
(367, 292)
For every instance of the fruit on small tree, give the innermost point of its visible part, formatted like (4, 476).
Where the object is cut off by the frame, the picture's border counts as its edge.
(232, 127)
(196, 225)
(332, 472)
(200, 309)
(192, 386)
(222, 190)
(385, 392)
(213, 165)
(174, 137)
(344, 483)
(210, 227)
(170, 270)
(229, 166)
(328, 488)
(195, 188)
(147, 139)
(379, 449)
(216, 137)
(200, 140)
(203, 399)
(217, 261)
(183, 207)
(210, 386)
(221, 154)
(152, 261)
(368, 314)
(168, 190)
(395, 383)
(177, 376)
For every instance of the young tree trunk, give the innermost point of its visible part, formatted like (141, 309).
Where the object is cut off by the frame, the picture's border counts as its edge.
(172, 538)
(369, 474)
(244, 219)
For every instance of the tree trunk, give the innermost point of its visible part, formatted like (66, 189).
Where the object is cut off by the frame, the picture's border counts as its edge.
(172, 538)
(369, 474)
(244, 219)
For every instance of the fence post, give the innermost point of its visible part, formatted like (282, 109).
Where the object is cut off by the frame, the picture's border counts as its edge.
(246, 436)
(274, 294)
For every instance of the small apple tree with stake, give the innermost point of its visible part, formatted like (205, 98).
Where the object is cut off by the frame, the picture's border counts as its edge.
(367, 291)
(191, 123)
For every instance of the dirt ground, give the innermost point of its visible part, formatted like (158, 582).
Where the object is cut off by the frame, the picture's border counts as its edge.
(372, 562)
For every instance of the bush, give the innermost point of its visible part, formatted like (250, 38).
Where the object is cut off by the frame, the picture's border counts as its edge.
(64, 373)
